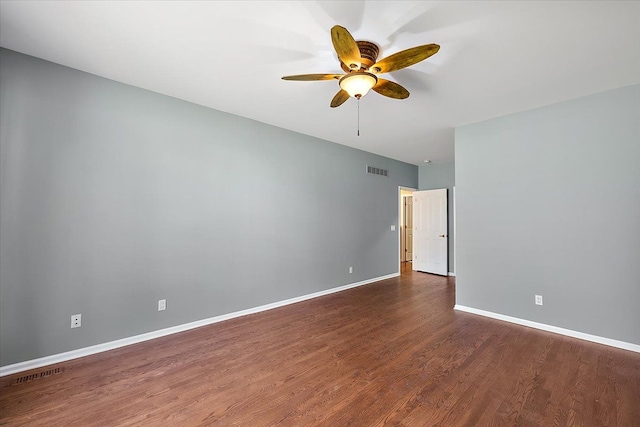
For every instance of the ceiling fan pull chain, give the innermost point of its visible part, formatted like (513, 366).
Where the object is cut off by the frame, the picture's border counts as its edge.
(358, 116)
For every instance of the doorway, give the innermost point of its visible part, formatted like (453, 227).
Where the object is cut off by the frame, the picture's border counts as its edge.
(405, 235)
(406, 229)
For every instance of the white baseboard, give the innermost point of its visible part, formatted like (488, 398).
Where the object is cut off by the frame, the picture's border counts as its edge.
(99, 348)
(452, 274)
(554, 329)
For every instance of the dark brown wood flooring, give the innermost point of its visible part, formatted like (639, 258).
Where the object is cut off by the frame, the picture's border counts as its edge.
(389, 353)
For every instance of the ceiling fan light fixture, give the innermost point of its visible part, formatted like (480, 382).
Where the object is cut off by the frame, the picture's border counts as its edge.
(358, 84)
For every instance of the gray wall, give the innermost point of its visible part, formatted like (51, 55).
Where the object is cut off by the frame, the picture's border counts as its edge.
(434, 176)
(114, 197)
(548, 203)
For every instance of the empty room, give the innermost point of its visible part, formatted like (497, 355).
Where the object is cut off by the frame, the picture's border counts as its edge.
(319, 213)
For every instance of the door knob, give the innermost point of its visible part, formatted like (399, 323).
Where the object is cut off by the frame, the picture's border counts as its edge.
(442, 235)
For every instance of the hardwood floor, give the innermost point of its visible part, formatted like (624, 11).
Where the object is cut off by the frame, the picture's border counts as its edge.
(389, 353)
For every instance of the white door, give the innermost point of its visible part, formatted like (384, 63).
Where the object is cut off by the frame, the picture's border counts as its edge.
(430, 247)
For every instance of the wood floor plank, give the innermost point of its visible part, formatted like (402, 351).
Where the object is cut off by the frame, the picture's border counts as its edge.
(389, 353)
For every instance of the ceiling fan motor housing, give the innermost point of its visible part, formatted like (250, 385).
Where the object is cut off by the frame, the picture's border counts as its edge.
(369, 53)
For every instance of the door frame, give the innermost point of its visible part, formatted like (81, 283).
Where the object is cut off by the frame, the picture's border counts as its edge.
(398, 253)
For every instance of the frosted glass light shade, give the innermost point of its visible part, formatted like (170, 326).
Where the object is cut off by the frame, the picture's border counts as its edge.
(358, 84)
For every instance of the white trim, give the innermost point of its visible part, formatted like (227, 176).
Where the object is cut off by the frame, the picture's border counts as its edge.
(452, 274)
(556, 330)
(455, 234)
(99, 348)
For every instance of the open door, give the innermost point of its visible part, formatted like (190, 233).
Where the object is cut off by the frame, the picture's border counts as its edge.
(430, 243)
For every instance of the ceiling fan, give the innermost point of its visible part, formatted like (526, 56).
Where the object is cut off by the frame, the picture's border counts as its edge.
(359, 59)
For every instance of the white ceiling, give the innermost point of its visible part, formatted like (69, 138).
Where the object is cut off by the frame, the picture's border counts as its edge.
(496, 58)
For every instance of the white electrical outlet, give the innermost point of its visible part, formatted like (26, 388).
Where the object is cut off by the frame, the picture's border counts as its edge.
(538, 299)
(76, 320)
(162, 305)
(393, 228)
(350, 270)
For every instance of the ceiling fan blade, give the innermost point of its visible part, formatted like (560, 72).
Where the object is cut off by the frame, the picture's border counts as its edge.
(339, 99)
(404, 58)
(346, 47)
(313, 77)
(390, 89)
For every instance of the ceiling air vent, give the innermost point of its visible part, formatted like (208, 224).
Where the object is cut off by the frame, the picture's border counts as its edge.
(377, 171)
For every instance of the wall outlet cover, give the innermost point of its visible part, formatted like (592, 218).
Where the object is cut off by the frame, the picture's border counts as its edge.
(538, 299)
(162, 305)
(76, 320)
